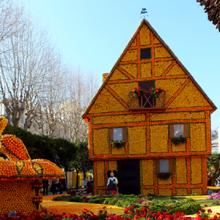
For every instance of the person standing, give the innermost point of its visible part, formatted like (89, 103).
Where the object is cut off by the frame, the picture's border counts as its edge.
(112, 184)
(45, 187)
(89, 187)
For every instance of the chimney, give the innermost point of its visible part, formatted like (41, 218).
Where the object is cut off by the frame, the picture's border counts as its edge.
(104, 76)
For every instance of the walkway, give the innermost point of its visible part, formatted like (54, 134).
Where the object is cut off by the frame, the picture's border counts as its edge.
(59, 207)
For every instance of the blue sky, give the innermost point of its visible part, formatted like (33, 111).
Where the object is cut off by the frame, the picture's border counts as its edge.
(91, 34)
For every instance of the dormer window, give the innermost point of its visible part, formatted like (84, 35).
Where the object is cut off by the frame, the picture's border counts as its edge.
(145, 53)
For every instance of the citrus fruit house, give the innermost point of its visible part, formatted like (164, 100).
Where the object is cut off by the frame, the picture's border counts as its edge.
(20, 176)
(150, 121)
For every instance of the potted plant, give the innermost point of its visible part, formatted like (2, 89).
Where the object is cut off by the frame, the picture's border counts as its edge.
(118, 144)
(155, 92)
(137, 92)
(164, 175)
(178, 140)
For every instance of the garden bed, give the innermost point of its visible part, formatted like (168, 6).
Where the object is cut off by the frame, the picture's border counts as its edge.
(163, 204)
(130, 213)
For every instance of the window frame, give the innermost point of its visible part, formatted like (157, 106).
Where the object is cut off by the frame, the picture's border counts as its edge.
(124, 135)
(168, 168)
(148, 51)
(186, 130)
(175, 130)
(146, 86)
(121, 134)
(165, 175)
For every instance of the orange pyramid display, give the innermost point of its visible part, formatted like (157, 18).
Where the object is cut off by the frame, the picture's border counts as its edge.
(20, 177)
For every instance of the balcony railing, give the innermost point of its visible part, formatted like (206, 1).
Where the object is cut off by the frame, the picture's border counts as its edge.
(146, 100)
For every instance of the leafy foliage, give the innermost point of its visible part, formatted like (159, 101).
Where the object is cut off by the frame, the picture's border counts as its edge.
(163, 204)
(131, 212)
(213, 168)
(178, 140)
(211, 7)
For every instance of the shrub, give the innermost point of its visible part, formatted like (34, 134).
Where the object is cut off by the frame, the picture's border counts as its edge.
(62, 198)
(97, 199)
(58, 150)
(188, 206)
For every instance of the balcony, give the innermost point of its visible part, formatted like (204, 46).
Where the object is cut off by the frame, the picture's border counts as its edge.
(147, 100)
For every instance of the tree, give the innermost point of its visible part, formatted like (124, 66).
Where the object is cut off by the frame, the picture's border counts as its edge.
(80, 90)
(47, 120)
(212, 8)
(38, 93)
(10, 20)
(23, 70)
(66, 152)
(27, 65)
(213, 168)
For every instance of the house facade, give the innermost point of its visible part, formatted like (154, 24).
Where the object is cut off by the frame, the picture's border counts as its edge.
(150, 121)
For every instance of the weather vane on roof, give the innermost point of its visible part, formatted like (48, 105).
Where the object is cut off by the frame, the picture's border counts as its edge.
(143, 12)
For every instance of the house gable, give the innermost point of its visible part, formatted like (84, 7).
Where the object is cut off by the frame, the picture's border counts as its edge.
(106, 102)
(163, 67)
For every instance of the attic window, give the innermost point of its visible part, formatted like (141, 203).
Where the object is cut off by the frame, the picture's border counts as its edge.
(145, 53)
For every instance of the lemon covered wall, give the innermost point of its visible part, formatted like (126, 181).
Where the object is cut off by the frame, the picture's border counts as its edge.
(148, 130)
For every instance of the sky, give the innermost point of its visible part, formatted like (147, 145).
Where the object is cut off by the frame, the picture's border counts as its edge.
(90, 35)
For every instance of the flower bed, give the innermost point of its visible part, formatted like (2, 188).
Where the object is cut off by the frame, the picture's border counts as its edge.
(131, 212)
(164, 204)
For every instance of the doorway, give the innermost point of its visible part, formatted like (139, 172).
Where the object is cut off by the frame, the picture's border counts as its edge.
(129, 176)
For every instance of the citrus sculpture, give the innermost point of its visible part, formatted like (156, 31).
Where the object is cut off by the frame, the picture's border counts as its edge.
(20, 176)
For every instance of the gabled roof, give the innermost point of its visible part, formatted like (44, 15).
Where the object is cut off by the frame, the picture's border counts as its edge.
(145, 22)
